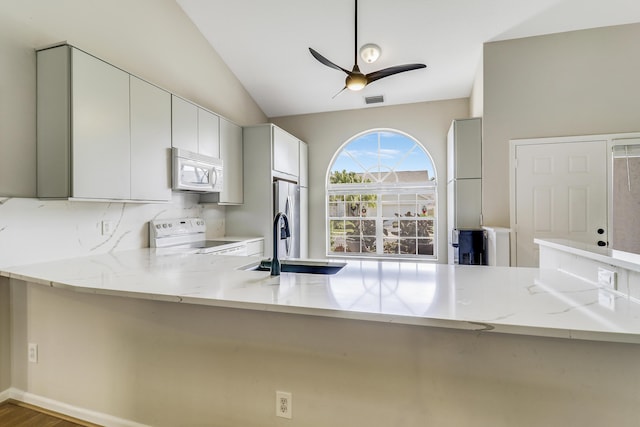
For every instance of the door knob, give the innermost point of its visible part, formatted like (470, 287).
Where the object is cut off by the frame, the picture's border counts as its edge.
(601, 243)
(600, 231)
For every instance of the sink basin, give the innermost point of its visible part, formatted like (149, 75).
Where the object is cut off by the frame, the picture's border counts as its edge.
(306, 266)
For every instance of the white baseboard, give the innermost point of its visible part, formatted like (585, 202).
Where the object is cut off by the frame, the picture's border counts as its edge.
(4, 395)
(66, 409)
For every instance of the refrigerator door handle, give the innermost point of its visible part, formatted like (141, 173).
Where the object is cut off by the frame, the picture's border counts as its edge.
(287, 210)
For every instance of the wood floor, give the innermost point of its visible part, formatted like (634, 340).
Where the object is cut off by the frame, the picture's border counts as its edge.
(16, 414)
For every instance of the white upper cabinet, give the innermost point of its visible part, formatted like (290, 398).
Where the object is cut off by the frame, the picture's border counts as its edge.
(231, 154)
(150, 141)
(100, 119)
(184, 124)
(285, 152)
(208, 133)
(93, 131)
(194, 129)
(464, 149)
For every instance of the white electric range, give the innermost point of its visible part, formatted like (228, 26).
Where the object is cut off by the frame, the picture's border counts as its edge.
(189, 235)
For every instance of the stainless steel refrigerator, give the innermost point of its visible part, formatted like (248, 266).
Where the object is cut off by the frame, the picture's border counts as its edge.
(286, 199)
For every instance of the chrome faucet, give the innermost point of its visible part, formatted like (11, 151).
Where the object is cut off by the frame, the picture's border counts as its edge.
(279, 233)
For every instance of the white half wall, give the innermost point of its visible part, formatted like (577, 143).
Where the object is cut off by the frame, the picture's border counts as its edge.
(169, 364)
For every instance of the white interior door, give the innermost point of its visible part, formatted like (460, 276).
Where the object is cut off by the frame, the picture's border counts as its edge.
(560, 192)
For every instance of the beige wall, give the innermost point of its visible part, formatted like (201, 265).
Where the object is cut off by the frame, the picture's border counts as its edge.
(5, 335)
(153, 39)
(325, 133)
(575, 83)
(170, 364)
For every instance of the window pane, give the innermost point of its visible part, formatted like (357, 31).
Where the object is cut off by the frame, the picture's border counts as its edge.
(369, 245)
(390, 246)
(336, 209)
(337, 244)
(352, 228)
(353, 244)
(425, 228)
(425, 247)
(408, 246)
(407, 228)
(369, 228)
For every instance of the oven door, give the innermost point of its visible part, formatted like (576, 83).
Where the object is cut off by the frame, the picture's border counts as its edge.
(195, 172)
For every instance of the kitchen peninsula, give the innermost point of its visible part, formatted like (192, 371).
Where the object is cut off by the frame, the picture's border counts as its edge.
(510, 300)
(222, 339)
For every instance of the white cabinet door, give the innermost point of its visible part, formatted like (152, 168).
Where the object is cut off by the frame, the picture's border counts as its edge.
(208, 133)
(468, 203)
(464, 149)
(150, 142)
(184, 124)
(100, 100)
(285, 152)
(303, 179)
(231, 153)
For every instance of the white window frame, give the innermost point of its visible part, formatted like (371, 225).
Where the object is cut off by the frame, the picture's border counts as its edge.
(381, 190)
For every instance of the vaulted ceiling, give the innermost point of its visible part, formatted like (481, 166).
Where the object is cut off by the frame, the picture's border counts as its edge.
(266, 43)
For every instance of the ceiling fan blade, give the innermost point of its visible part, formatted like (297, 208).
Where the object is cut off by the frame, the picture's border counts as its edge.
(341, 90)
(386, 72)
(326, 62)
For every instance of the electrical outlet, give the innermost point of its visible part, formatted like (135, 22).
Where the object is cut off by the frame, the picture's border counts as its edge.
(283, 404)
(33, 352)
(607, 278)
(107, 227)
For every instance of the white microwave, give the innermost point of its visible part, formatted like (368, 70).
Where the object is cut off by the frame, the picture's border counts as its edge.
(196, 172)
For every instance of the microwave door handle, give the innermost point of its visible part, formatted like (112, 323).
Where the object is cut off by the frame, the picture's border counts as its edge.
(214, 176)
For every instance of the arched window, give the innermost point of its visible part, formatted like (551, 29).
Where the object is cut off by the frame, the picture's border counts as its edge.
(381, 198)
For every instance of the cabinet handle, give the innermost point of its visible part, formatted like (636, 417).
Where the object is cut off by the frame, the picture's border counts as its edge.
(600, 230)
(602, 243)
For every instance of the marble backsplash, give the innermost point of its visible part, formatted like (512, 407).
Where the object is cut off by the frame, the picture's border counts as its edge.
(33, 230)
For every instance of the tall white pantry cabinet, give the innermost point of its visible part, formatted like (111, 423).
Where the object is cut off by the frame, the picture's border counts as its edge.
(464, 178)
(270, 153)
(102, 134)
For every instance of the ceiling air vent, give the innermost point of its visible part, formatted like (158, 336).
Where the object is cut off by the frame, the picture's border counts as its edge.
(374, 99)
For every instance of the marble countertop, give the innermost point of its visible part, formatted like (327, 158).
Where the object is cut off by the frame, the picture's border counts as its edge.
(525, 301)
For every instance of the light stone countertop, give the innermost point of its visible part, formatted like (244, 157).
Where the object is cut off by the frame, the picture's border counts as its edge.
(525, 301)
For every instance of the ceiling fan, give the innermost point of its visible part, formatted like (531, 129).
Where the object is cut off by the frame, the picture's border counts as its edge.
(356, 80)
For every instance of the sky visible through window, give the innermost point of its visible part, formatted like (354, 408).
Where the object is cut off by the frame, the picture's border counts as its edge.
(390, 149)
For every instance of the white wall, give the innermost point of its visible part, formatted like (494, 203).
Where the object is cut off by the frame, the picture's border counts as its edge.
(575, 83)
(326, 133)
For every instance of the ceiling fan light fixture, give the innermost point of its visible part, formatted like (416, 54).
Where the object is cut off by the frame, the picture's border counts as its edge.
(355, 82)
(370, 52)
